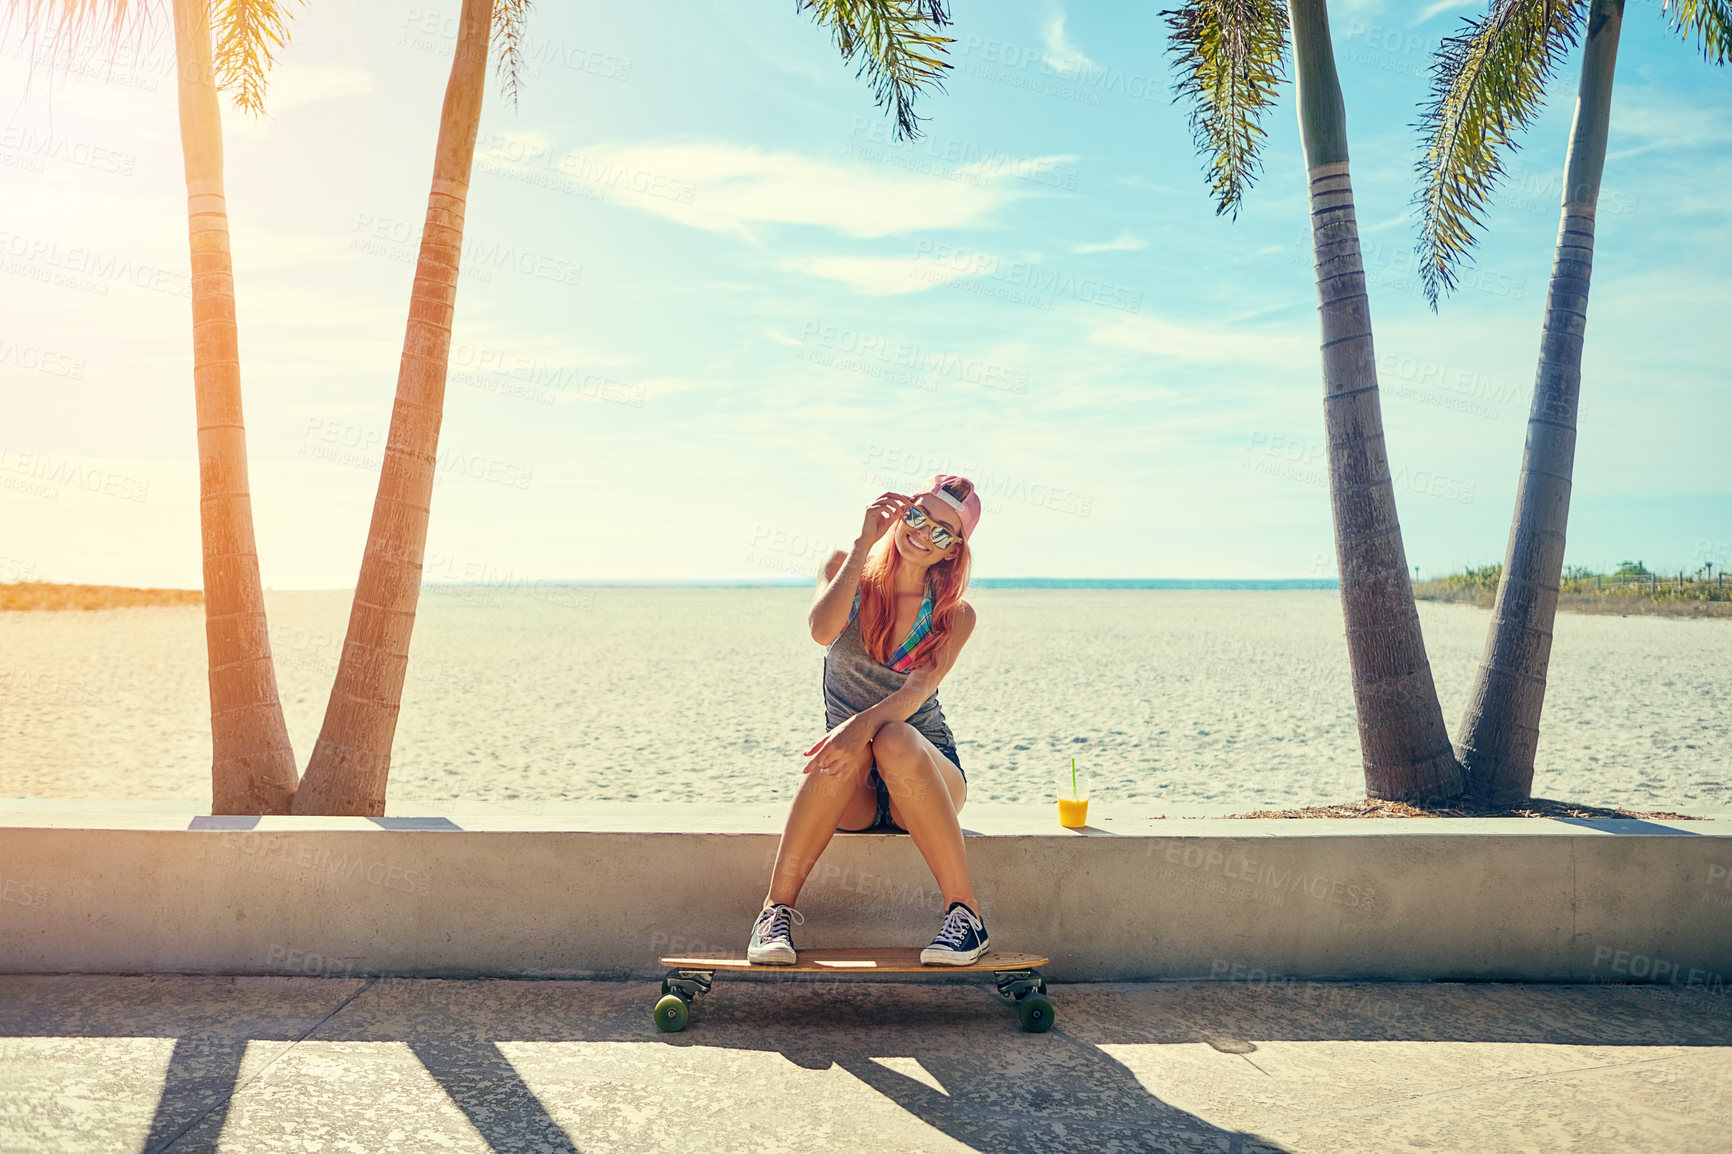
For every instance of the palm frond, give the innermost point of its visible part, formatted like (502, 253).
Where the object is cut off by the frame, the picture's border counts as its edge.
(508, 21)
(899, 46)
(1707, 21)
(1487, 85)
(243, 35)
(71, 16)
(102, 26)
(1230, 56)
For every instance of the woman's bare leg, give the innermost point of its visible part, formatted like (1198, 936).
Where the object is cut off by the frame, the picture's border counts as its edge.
(926, 790)
(819, 807)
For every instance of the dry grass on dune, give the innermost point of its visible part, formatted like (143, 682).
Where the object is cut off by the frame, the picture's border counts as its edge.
(1622, 593)
(44, 595)
(1534, 807)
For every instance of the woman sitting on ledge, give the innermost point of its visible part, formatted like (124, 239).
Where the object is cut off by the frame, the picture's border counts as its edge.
(888, 762)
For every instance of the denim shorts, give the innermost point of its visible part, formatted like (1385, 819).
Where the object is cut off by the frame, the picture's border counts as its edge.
(881, 822)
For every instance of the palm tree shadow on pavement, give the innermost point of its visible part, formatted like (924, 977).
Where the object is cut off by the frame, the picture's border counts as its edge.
(993, 1087)
(1104, 1108)
(495, 1099)
(203, 1075)
(206, 1073)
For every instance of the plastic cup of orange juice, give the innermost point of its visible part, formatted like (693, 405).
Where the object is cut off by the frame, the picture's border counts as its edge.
(1073, 800)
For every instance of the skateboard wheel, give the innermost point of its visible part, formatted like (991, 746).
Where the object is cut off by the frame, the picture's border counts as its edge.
(672, 1014)
(1035, 1012)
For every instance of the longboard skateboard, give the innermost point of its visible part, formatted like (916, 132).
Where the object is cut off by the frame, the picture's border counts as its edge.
(1016, 977)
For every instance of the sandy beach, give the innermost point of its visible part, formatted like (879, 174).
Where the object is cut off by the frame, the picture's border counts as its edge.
(543, 699)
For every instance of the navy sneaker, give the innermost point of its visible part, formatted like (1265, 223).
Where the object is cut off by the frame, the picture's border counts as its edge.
(772, 939)
(960, 941)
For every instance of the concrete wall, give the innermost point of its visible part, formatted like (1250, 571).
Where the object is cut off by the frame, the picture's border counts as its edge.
(1138, 898)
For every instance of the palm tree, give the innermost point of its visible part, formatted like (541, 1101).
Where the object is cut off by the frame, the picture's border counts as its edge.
(252, 764)
(1229, 55)
(352, 758)
(1487, 85)
(351, 762)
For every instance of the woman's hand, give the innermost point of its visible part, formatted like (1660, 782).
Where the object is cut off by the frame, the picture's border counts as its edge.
(846, 746)
(881, 516)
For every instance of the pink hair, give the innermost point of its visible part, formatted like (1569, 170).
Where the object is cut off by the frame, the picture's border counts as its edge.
(948, 578)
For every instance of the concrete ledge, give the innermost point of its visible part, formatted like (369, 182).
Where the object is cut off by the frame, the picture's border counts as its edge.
(602, 892)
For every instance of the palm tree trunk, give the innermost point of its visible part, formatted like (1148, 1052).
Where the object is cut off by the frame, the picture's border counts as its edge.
(252, 764)
(1501, 729)
(1402, 739)
(352, 759)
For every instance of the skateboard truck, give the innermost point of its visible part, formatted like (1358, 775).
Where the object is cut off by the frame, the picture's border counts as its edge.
(1026, 990)
(688, 984)
(679, 990)
(1014, 984)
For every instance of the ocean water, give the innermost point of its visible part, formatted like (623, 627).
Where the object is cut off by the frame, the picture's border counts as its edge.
(547, 697)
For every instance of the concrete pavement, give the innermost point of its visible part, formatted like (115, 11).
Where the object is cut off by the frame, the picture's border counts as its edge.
(261, 1064)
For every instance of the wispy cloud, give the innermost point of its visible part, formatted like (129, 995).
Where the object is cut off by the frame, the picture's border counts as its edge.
(261, 247)
(730, 188)
(1124, 242)
(878, 275)
(1064, 56)
(1000, 167)
(1644, 120)
(1207, 344)
(1439, 7)
(293, 86)
(297, 85)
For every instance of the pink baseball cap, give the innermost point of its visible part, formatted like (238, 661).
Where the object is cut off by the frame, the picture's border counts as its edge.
(968, 510)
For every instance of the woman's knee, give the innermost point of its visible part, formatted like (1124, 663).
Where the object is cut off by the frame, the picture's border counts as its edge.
(896, 741)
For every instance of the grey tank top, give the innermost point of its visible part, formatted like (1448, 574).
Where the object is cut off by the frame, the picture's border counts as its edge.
(854, 681)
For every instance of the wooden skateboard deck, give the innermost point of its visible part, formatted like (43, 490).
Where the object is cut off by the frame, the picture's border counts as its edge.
(1016, 977)
(863, 960)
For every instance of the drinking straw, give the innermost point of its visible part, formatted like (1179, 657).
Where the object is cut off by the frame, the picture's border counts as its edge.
(1073, 778)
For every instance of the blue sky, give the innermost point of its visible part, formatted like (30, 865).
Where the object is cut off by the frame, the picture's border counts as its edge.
(711, 309)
